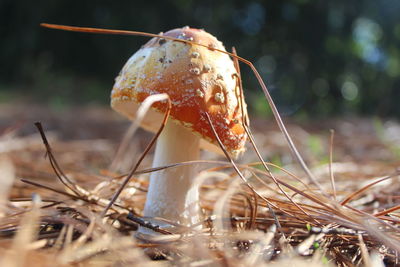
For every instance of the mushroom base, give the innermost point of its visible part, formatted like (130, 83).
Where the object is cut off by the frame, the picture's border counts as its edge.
(171, 194)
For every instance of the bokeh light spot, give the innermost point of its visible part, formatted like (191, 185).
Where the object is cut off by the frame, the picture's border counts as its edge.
(349, 90)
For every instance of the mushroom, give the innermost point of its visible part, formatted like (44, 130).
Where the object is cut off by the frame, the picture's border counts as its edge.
(198, 80)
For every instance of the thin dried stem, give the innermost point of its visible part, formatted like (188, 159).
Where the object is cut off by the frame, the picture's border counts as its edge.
(364, 188)
(241, 175)
(52, 189)
(248, 132)
(330, 164)
(54, 164)
(387, 211)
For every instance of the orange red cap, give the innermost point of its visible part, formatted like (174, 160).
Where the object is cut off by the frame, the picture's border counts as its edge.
(197, 79)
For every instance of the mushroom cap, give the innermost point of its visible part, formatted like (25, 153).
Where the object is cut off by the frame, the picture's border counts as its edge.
(197, 79)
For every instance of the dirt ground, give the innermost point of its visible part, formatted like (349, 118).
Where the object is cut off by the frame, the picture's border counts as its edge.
(356, 140)
(85, 139)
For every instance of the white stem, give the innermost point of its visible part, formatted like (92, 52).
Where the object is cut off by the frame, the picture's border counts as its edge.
(171, 194)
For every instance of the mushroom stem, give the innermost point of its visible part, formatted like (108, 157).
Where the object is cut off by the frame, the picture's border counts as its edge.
(171, 194)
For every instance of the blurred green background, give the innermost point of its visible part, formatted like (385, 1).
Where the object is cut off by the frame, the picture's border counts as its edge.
(319, 58)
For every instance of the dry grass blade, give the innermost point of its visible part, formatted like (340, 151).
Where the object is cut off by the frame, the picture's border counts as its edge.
(228, 156)
(364, 252)
(54, 164)
(330, 164)
(51, 189)
(25, 236)
(245, 180)
(363, 189)
(271, 175)
(250, 136)
(7, 177)
(387, 211)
